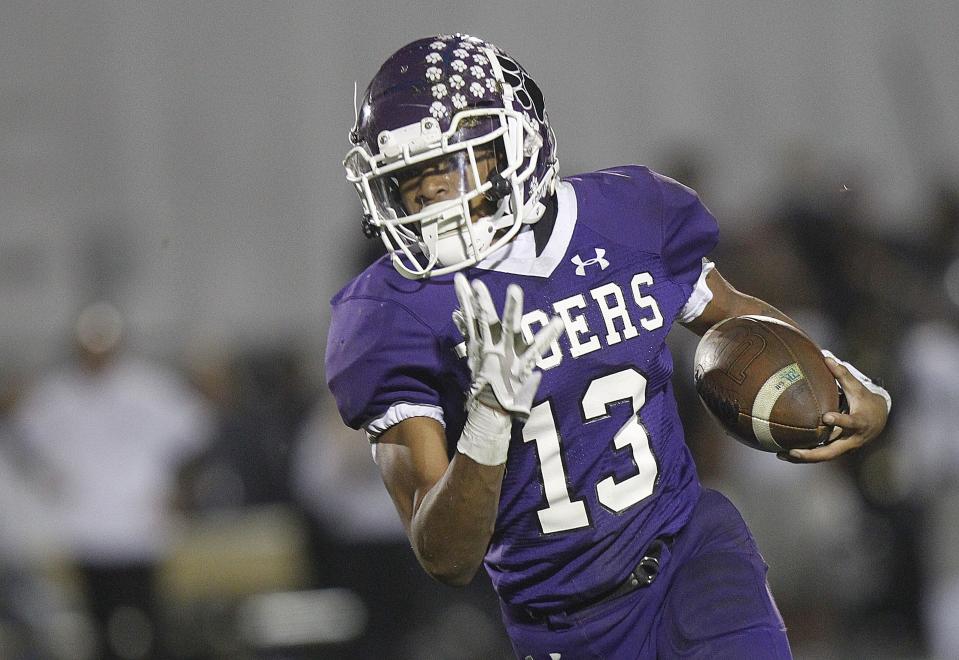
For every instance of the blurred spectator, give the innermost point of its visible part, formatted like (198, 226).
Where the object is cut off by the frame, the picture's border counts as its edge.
(927, 467)
(26, 533)
(335, 478)
(261, 397)
(108, 432)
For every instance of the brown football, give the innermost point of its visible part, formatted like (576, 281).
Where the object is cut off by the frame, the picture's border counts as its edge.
(766, 383)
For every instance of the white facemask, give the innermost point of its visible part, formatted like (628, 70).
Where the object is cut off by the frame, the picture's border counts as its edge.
(450, 239)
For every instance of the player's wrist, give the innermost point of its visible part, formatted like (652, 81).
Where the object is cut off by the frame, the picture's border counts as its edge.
(486, 398)
(486, 434)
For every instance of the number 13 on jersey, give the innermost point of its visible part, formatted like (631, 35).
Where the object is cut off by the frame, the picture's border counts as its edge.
(562, 513)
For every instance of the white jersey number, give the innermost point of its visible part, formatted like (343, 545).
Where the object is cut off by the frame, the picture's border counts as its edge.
(562, 513)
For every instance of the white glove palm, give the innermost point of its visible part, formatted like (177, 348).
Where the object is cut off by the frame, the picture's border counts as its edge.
(499, 357)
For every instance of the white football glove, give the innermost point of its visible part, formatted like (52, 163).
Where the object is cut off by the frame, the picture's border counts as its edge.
(499, 357)
(501, 362)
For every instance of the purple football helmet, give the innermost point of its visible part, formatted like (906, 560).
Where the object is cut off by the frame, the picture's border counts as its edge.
(451, 100)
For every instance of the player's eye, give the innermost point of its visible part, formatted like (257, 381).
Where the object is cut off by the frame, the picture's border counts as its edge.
(415, 172)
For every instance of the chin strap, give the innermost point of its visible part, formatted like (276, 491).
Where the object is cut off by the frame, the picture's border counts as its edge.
(535, 214)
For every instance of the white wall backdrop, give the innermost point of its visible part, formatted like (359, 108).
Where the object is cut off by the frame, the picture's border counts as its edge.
(183, 158)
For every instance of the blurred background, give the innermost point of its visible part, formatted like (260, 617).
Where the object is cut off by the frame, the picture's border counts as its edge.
(174, 481)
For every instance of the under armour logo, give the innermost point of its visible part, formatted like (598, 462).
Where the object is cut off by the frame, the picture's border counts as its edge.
(599, 259)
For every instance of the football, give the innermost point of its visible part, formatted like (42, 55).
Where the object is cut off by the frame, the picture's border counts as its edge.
(766, 383)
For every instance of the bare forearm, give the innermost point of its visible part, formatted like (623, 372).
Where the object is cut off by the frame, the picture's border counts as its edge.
(448, 506)
(750, 305)
(452, 525)
(728, 302)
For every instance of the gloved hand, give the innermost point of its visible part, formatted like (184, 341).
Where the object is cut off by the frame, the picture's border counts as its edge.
(501, 360)
(502, 363)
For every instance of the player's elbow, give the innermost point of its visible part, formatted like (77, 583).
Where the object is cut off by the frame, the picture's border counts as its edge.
(449, 553)
(451, 573)
(452, 576)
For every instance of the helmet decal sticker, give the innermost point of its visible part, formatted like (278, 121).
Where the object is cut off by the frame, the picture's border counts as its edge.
(525, 89)
(438, 110)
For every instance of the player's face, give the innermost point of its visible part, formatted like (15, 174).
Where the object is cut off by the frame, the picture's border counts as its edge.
(445, 178)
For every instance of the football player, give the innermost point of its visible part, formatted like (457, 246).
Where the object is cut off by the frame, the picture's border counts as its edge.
(507, 360)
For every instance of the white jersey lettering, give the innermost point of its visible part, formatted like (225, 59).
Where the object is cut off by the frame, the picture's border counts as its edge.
(617, 310)
(647, 302)
(616, 316)
(576, 325)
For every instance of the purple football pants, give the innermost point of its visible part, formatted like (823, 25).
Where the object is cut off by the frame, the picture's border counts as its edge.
(709, 600)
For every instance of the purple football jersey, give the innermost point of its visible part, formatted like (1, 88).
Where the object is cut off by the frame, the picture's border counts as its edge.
(601, 468)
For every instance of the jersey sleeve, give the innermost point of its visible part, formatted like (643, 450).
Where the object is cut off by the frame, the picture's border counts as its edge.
(690, 231)
(381, 364)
